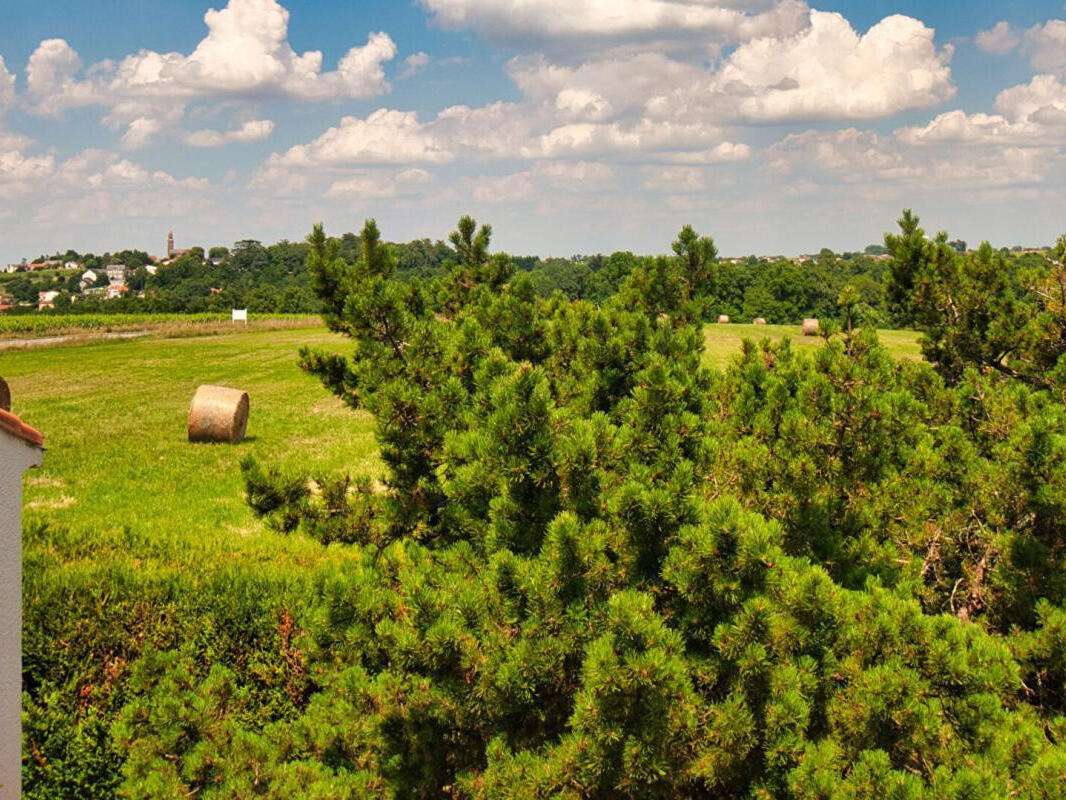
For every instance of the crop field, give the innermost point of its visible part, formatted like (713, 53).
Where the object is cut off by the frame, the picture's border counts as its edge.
(45, 325)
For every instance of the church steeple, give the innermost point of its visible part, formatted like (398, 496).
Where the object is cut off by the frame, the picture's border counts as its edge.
(170, 243)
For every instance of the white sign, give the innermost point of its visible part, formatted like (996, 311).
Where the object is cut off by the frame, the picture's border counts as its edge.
(240, 315)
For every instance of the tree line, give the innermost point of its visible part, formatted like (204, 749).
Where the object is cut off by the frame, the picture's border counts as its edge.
(273, 278)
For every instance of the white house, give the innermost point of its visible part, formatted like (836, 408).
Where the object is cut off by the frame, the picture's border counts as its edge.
(116, 272)
(46, 299)
(88, 278)
(20, 448)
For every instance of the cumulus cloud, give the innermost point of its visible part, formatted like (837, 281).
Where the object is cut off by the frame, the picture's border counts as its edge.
(850, 155)
(829, 71)
(614, 20)
(251, 131)
(826, 71)
(722, 153)
(602, 87)
(384, 137)
(999, 39)
(1031, 113)
(1046, 46)
(21, 173)
(246, 54)
(1042, 93)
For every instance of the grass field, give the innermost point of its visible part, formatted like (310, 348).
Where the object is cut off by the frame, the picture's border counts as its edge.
(721, 342)
(119, 475)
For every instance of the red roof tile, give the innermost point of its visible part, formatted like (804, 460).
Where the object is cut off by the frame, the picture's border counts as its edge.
(16, 427)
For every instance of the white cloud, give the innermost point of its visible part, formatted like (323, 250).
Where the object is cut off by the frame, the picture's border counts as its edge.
(378, 184)
(94, 187)
(251, 131)
(21, 173)
(246, 54)
(829, 71)
(826, 71)
(413, 64)
(497, 130)
(613, 20)
(958, 126)
(675, 180)
(384, 137)
(544, 180)
(7, 87)
(1046, 46)
(857, 157)
(1000, 39)
(605, 86)
(643, 137)
(850, 155)
(724, 153)
(1031, 113)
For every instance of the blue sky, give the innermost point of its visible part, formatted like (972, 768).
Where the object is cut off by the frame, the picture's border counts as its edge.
(777, 126)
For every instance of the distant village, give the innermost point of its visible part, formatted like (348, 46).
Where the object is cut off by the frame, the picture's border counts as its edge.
(108, 282)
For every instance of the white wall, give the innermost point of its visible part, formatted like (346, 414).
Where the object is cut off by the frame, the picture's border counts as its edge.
(16, 456)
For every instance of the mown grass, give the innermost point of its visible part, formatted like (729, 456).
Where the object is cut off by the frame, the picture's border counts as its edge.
(120, 480)
(721, 342)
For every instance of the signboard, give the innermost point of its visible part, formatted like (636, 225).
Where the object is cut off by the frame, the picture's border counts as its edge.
(240, 315)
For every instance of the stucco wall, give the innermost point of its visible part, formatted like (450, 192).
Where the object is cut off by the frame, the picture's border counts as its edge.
(16, 456)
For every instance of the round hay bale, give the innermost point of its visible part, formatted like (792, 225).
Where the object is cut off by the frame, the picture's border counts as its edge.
(723, 319)
(5, 395)
(218, 414)
(810, 327)
(758, 321)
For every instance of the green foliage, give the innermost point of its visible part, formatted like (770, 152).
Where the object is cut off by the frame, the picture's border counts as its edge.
(981, 309)
(594, 568)
(559, 596)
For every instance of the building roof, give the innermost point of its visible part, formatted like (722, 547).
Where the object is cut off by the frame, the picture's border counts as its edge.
(19, 429)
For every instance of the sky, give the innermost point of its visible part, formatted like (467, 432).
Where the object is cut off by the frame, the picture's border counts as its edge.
(571, 126)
